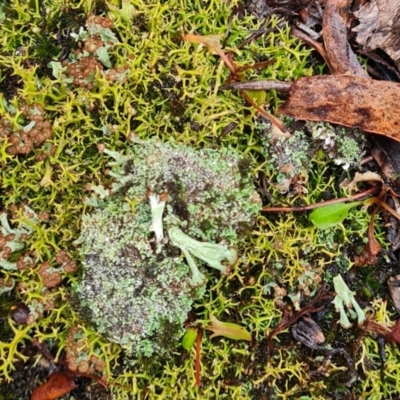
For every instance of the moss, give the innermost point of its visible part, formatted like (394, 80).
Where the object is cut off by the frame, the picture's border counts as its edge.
(164, 87)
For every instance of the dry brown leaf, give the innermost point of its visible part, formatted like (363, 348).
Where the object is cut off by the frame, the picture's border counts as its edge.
(341, 57)
(368, 176)
(387, 155)
(347, 100)
(395, 333)
(369, 255)
(394, 288)
(379, 26)
(58, 384)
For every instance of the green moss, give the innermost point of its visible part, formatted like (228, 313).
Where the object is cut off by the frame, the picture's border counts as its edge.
(168, 88)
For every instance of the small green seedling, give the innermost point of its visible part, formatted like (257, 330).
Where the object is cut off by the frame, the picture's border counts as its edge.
(228, 330)
(329, 216)
(345, 299)
(189, 338)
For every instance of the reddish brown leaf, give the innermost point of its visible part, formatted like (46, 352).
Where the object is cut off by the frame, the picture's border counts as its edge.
(347, 100)
(58, 384)
(371, 249)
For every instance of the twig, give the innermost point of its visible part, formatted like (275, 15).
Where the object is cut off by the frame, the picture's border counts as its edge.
(310, 308)
(276, 121)
(198, 349)
(389, 209)
(259, 85)
(322, 203)
(314, 35)
(313, 43)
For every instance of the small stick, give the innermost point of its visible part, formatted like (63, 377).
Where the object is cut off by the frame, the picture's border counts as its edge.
(276, 121)
(259, 85)
(314, 44)
(198, 350)
(322, 203)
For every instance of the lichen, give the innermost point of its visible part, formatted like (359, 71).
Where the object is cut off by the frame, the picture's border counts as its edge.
(195, 197)
(344, 146)
(290, 156)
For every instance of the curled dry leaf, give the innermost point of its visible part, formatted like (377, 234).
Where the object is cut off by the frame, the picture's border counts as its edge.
(307, 332)
(347, 100)
(368, 176)
(372, 248)
(341, 57)
(58, 384)
(387, 155)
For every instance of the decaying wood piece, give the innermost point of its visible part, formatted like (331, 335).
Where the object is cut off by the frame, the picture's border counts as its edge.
(341, 57)
(347, 100)
(379, 27)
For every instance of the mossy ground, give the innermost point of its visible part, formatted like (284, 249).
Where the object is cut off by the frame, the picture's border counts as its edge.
(170, 89)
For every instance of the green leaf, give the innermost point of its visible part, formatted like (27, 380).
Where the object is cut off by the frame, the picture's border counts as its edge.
(328, 216)
(258, 96)
(126, 11)
(227, 329)
(189, 338)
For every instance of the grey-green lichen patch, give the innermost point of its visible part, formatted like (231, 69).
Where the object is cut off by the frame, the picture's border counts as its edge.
(344, 146)
(169, 211)
(289, 157)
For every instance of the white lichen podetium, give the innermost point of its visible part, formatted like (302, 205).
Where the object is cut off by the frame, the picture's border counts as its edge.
(345, 299)
(212, 254)
(157, 205)
(170, 211)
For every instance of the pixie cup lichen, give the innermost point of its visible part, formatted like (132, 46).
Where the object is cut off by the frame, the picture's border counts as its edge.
(169, 211)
